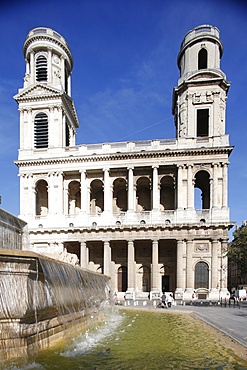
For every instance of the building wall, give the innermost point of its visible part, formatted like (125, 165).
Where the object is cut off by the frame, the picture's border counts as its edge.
(153, 215)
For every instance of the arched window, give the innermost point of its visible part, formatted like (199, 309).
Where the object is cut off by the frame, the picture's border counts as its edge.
(203, 59)
(143, 194)
(41, 68)
(167, 193)
(97, 197)
(201, 275)
(41, 191)
(41, 131)
(202, 182)
(120, 202)
(74, 197)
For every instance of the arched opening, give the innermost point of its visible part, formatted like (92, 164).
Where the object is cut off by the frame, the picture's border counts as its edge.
(201, 275)
(122, 282)
(144, 271)
(41, 131)
(120, 202)
(41, 190)
(41, 68)
(96, 197)
(74, 198)
(143, 194)
(202, 183)
(167, 193)
(203, 59)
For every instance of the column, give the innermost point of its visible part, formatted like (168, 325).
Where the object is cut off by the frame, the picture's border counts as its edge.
(29, 132)
(131, 265)
(60, 197)
(32, 67)
(180, 270)
(215, 184)
(156, 190)
(51, 193)
(155, 266)
(107, 200)
(180, 203)
(130, 189)
(190, 188)
(214, 265)
(49, 66)
(23, 119)
(69, 85)
(224, 262)
(189, 269)
(84, 193)
(84, 255)
(66, 199)
(107, 258)
(63, 83)
(225, 186)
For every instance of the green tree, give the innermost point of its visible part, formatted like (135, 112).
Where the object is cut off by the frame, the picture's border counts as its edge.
(237, 251)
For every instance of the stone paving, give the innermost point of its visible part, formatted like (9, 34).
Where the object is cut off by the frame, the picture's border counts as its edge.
(232, 321)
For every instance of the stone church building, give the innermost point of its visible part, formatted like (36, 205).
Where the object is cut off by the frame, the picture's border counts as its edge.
(128, 209)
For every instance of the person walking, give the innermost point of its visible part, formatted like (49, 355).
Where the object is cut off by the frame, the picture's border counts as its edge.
(163, 300)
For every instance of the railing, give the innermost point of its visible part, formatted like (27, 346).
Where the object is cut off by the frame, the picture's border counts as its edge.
(231, 302)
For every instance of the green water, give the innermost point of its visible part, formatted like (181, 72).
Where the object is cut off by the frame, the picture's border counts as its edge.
(138, 340)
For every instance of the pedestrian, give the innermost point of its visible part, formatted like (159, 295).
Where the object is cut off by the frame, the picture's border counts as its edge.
(170, 300)
(163, 300)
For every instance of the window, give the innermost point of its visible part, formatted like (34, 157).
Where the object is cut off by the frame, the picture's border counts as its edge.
(202, 122)
(67, 136)
(203, 59)
(201, 275)
(41, 68)
(41, 131)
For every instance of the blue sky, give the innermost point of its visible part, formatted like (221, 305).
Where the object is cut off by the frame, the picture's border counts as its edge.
(125, 67)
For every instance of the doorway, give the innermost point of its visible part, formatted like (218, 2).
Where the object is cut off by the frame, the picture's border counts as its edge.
(122, 279)
(165, 283)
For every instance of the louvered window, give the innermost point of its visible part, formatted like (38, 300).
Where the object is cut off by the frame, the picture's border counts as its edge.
(41, 131)
(41, 68)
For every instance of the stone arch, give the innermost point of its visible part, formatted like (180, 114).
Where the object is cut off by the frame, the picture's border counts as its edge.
(144, 271)
(120, 198)
(143, 194)
(41, 191)
(74, 197)
(202, 182)
(97, 197)
(122, 279)
(167, 193)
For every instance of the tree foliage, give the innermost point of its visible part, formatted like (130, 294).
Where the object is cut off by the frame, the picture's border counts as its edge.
(237, 252)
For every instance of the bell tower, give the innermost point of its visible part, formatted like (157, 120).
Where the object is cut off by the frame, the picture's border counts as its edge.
(199, 100)
(47, 114)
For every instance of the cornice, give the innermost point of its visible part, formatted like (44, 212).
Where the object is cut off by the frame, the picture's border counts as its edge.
(48, 37)
(190, 230)
(169, 153)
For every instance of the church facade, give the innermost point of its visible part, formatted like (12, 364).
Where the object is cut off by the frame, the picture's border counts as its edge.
(128, 209)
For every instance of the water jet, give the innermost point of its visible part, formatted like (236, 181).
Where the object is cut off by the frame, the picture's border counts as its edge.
(42, 299)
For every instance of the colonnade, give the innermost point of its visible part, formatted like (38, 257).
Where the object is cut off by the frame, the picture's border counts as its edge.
(187, 257)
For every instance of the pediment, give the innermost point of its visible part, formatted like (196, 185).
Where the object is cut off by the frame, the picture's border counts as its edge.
(37, 92)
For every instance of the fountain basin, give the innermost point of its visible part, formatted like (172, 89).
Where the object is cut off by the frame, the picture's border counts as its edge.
(41, 299)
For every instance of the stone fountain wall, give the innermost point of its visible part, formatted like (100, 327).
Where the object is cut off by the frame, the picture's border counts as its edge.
(41, 299)
(12, 231)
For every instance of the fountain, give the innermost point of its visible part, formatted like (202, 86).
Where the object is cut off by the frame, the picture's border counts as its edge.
(41, 299)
